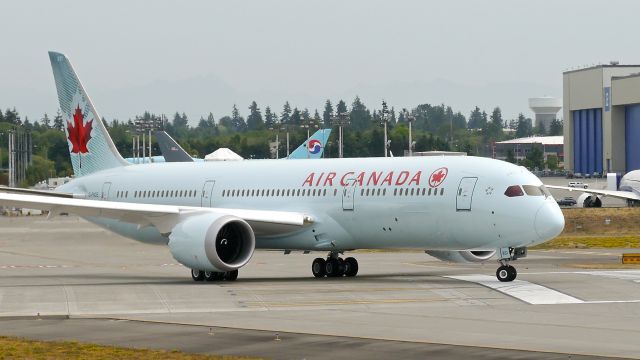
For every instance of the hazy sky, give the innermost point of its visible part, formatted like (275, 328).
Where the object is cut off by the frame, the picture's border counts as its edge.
(201, 56)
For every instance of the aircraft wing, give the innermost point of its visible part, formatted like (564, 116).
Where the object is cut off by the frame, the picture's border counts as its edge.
(629, 195)
(163, 217)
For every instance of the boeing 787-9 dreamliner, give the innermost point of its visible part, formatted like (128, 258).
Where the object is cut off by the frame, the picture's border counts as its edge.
(214, 215)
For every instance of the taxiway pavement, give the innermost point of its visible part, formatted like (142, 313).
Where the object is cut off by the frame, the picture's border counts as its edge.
(564, 302)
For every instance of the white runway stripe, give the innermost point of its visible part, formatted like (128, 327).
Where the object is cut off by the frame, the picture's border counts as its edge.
(523, 290)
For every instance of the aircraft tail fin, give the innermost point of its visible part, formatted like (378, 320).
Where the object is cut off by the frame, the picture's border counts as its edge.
(90, 146)
(171, 150)
(314, 147)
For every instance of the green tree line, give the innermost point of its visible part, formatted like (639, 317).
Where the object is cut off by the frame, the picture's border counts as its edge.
(434, 127)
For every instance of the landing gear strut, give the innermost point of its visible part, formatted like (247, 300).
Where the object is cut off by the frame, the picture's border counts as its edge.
(334, 266)
(506, 272)
(202, 275)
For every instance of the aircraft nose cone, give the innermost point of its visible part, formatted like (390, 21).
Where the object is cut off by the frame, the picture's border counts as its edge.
(549, 221)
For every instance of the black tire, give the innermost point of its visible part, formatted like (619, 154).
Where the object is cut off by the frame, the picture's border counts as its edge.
(332, 268)
(350, 267)
(197, 275)
(213, 275)
(231, 275)
(503, 274)
(512, 273)
(318, 267)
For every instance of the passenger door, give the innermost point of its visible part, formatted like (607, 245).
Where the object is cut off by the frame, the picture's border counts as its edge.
(206, 198)
(348, 194)
(105, 191)
(465, 193)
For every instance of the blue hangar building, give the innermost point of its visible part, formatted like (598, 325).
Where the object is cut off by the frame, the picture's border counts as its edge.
(601, 111)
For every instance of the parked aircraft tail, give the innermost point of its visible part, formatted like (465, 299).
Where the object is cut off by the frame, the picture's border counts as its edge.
(90, 146)
(314, 147)
(171, 150)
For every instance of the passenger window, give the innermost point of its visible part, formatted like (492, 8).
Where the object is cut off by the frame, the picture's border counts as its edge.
(395, 192)
(441, 191)
(335, 192)
(324, 192)
(384, 192)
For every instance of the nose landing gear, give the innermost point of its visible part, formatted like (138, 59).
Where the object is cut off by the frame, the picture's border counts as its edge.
(506, 272)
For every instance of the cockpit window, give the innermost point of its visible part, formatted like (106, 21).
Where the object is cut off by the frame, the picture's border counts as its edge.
(532, 190)
(514, 190)
(545, 191)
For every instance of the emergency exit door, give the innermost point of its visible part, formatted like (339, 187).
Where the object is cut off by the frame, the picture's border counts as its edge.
(465, 193)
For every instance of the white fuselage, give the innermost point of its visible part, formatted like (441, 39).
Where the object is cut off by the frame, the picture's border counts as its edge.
(355, 203)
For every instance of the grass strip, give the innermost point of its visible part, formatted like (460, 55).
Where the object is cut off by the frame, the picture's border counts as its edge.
(595, 242)
(18, 348)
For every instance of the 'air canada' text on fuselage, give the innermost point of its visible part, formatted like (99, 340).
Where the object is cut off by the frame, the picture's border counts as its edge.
(363, 178)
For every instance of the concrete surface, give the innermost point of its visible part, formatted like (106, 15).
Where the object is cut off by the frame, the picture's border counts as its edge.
(406, 300)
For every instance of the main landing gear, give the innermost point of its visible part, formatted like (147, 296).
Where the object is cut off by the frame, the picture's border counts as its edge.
(202, 275)
(334, 266)
(506, 272)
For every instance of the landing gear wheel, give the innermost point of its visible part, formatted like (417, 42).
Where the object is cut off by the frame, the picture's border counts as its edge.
(350, 267)
(333, 268)
(512, 273)
(318, 267)
(231, 275)
(506, 273)
(213, 275)
(197, 275)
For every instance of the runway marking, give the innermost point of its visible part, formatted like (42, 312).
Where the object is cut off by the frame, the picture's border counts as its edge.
(617, 274)
(522, 290)
(269, 304)
(34, 266)
(633, 275)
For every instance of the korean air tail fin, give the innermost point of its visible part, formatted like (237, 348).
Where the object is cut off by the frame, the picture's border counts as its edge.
(314, 147)
(90, 146)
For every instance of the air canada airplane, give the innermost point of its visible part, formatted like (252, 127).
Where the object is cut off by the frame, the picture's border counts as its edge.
(214, 215)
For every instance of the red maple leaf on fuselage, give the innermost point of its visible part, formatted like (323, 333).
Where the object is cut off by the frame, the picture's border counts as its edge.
(79, 133)
(437, 178)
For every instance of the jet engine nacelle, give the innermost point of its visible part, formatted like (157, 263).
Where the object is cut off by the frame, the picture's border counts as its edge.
(212, 242)
(589, 200)
(461, 256)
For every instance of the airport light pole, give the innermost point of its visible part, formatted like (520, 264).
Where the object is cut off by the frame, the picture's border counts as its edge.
(385, 120)
(410, 119)
(144, 125)
(277, 127)
(340, 120)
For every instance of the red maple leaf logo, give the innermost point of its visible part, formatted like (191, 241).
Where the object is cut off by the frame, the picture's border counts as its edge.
(438, 176)
(79, 133)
